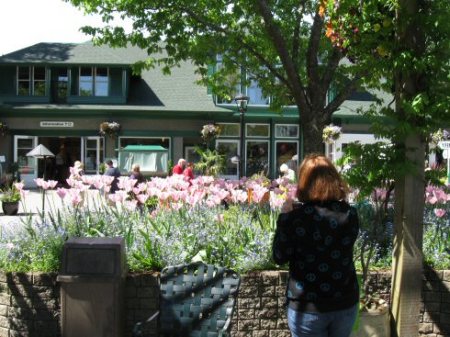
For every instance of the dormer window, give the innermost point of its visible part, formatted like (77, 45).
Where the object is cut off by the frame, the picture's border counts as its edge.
(94, 81)
(31, 81)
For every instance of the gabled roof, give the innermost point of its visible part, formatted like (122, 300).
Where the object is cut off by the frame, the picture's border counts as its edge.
(152, 90)
(71, 53)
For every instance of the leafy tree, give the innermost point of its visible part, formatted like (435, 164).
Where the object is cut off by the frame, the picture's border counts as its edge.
(411, 40)
(280, 44)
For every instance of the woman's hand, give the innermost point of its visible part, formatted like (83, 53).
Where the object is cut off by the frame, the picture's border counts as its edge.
(287, 206)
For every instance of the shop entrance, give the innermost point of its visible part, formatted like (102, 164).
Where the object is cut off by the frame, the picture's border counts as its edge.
(67, 150)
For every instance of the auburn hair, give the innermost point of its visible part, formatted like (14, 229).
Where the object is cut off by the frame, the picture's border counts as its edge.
(319, 180)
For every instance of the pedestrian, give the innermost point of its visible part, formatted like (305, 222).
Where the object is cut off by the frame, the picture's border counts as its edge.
(317, 239)
(112, 172)
(179, 168)
(188, 172)
(136, 173)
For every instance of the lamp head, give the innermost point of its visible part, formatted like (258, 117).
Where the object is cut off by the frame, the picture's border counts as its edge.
(242, 102)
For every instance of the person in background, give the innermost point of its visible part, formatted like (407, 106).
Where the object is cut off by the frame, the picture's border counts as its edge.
(112, 172)
(179, 168)
(78, 167)
(136, 173)
(188, 172)
(288, 173)
(317, 239)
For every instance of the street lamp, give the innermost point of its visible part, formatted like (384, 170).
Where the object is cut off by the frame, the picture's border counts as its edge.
(241, 102)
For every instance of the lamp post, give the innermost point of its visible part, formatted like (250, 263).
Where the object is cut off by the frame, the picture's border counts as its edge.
(241, 102)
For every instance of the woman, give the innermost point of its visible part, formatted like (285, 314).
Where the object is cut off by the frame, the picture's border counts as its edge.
(136, 173)
(316, 239)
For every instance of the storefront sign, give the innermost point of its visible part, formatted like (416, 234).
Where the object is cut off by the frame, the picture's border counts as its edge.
(56, 124)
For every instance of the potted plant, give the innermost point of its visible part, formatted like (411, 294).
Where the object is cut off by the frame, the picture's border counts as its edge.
(10, 198)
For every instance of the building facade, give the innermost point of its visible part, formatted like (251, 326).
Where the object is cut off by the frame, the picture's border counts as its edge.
(84, 102)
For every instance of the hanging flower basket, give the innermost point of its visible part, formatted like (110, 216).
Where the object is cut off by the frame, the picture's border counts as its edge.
(3, 129)
(209, 133)
(331, 133)
(110, 129)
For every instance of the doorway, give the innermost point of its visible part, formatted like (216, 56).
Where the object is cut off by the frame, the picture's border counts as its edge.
(67, 150)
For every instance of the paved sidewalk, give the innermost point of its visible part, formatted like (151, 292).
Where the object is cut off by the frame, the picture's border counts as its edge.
(32, 205)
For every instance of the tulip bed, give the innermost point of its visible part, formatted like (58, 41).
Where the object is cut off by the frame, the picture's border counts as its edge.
(167, 221)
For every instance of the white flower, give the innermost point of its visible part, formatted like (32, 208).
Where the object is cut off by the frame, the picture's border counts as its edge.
(331, 133)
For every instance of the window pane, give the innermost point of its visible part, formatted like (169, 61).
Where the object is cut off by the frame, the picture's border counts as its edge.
(257, 158)
(25, 143)
(255, 94)
(86, 82)
(228, 130)
(257, 130)
(63, 79)
(101, 82)
(229, 149)
(90, 160)
(23, 88)
(24, 73)
(39, 88)
(284, 153)
(39, 73)
(26, 164)
(286, 131)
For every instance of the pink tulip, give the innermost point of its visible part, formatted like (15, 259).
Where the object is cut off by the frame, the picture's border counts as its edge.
(439, 212)
(52, 184)
(142, 198)
(39, 181)
(61, 192)
(19, 185)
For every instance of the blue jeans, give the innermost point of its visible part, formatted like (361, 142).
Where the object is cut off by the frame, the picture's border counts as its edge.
(327, 324)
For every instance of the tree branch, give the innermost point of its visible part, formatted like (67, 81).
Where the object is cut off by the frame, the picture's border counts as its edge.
(248, 47)
(312, 52)
(342, 96)
(274, 33)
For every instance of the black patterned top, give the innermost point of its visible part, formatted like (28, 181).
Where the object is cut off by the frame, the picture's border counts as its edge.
(317, 240)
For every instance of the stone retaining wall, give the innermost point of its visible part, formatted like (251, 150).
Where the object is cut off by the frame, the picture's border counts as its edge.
(30, 305)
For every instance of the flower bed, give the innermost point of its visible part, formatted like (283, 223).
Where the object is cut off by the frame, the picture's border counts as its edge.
(164, 221)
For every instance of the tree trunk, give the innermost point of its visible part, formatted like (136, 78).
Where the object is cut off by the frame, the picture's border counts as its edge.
(312, 122)
(312, 137)
(409, 190)
(407, 253)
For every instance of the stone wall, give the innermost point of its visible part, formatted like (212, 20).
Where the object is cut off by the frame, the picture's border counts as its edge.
(30, 304)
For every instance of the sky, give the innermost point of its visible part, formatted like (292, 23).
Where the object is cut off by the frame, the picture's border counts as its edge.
(24, 23)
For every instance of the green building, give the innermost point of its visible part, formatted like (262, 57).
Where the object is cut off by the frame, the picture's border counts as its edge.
(63, 95)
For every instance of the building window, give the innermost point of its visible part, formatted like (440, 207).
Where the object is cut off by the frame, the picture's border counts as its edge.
(228, 129)
(285, 152)
(257, 130)
(257, 158)
(230, 149)
(101, 82)
(255, 94)
(286, 131)
(94, 81)
(31, 81)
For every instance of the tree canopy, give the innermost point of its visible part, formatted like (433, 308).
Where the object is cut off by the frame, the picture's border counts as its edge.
(280, 44)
